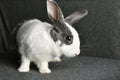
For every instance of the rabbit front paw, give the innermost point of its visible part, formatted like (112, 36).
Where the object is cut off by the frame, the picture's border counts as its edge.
(23, 69)
(56, 59)
(45, 71)
(43, 68)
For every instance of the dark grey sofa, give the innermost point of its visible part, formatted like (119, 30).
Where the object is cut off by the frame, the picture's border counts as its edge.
(99, 33)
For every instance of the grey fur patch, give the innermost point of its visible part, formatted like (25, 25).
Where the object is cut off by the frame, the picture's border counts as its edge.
(61, 32)
(55, 35)
(76, 16)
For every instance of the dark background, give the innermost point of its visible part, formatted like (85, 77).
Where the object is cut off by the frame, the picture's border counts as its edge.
(101, 28)
(99, 34)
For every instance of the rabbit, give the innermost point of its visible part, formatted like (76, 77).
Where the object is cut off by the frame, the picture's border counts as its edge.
(42, 42)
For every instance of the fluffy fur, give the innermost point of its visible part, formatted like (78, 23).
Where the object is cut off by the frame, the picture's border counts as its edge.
(36, 44)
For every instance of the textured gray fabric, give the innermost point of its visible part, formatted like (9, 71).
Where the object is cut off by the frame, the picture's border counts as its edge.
(101, 27)
(78, 68)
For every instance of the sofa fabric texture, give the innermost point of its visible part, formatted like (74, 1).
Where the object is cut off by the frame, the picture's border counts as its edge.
(99, 33)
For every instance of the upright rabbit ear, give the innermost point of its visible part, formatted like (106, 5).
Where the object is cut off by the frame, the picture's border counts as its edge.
(76, 16)
(54, 12)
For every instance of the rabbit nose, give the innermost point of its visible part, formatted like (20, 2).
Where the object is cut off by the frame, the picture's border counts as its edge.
(76, 54)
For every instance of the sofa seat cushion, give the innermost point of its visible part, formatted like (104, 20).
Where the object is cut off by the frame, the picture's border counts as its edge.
(77, 68)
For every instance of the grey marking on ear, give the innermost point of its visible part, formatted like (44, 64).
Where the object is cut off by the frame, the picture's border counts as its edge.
(60, 31)
(76, 16)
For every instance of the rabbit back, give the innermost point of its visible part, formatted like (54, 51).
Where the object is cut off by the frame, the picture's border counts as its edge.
(35, 41)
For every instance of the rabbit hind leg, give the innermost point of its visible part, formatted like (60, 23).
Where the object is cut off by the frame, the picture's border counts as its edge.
(25, 64)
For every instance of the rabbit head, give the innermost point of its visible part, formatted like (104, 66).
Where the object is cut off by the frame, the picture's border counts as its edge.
(63, 32)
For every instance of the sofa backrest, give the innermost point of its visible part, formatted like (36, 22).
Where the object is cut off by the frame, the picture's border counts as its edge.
(100, 30)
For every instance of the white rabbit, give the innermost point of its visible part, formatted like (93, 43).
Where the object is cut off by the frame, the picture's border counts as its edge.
(41, 42)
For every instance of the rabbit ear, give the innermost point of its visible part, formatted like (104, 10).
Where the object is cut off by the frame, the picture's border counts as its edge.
(76, 16)
(54, 12)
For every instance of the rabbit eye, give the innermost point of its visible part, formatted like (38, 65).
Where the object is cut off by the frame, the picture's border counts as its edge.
(69, 38)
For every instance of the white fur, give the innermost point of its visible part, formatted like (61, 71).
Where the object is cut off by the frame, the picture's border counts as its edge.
(36, 45)
(73, 49)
